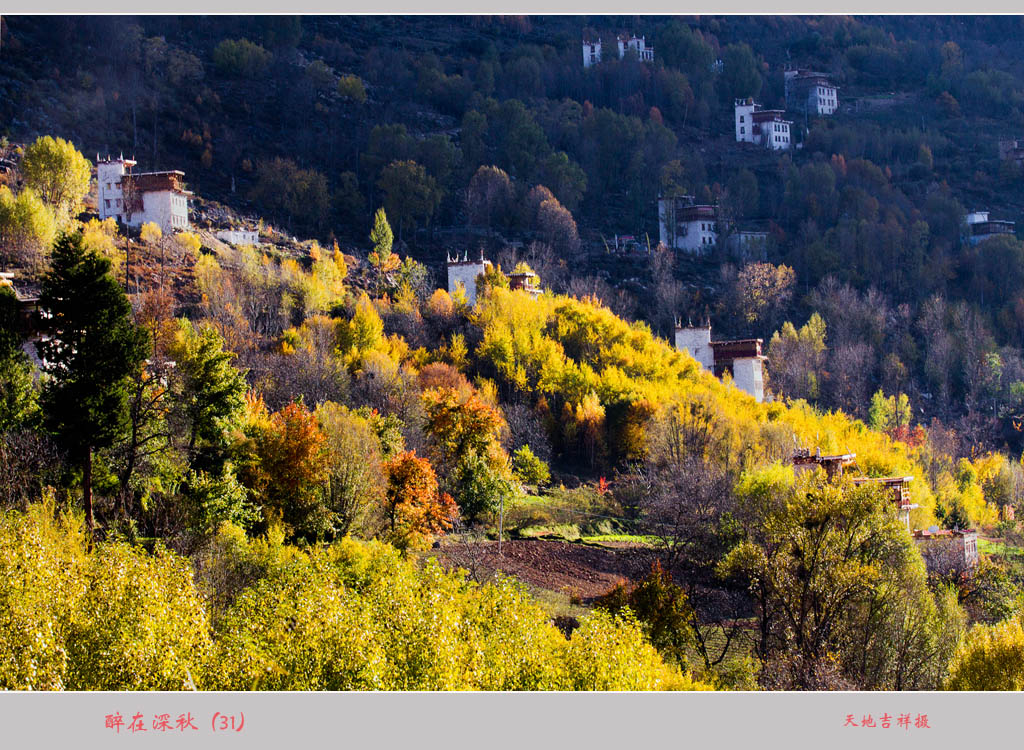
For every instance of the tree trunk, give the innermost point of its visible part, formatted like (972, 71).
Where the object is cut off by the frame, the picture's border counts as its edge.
(87, 491)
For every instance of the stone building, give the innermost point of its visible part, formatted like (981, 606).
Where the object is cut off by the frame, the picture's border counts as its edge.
(136, 198)
(465, 272)
(764, 127)
(948, 551)
(742, 358)
(239, 236)
(624, 42)
(686, 225)
(810, 92)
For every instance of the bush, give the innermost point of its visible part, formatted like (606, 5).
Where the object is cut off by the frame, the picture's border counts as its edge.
(529, 468)
(241, 58)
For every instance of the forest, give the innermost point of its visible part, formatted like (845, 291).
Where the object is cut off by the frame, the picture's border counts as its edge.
(291, 465)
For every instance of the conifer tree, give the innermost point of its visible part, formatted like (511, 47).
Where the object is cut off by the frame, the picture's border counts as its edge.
(93, 349)
(381, 257)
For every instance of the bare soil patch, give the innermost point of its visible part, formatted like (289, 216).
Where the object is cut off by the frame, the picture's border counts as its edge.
(584, 571)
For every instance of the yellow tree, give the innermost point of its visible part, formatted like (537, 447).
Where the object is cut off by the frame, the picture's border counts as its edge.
(56, 170)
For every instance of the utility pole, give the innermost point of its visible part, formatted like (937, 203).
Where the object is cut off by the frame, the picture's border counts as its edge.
(501, 523)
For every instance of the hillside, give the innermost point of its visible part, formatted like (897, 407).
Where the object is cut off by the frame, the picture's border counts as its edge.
(346, 475)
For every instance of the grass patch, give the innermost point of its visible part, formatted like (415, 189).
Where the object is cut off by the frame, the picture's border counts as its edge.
(569, 532)
(1002, 549)
(644, 540)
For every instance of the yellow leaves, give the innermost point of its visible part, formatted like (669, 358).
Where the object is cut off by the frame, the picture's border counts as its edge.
(151, 233)
(990, 658)
(101, 237)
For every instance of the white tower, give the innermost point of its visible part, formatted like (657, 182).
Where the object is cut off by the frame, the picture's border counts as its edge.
(745, 120)
(465, 272)
(109, 172)
(697, 341)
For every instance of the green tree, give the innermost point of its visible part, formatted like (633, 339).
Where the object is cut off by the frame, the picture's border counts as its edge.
(840, 588)
(529, 468)
(208, 388)
(18, 398)
(409, 193)
(740, 74)
(662, 607)
(478, 487)
(890, 414)
(60, 175)
(241, 58)
(93, 351)
(383, 260)
(351, 87)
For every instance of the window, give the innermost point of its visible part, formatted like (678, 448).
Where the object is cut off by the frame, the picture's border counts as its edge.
(117, 202)
(107, 201)
(742, 130)
(741, 119)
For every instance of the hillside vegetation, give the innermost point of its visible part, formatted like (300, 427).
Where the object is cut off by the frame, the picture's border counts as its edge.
(245, 467)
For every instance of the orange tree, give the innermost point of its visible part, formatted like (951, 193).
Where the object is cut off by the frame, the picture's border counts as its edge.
(414, 506)
(285, 469)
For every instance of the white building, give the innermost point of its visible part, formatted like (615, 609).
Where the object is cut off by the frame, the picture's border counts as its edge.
(637, 45)
(685, 225)
(742, 359)
(696, 340)
(765, 127)
(981, 228)
(466, 272)
(625, 42)
(137, 198)
(811, 92)
(239, 236)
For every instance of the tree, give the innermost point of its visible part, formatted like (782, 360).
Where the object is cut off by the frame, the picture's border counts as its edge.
(151, 233)
(414, 507)
(529, 468)
(489, 196)
(93, 351)
(740, 75)
(796, 358)
(383, 260)
(58, 173)
(479, 486)
(18, 400)
(355, 472)
(663, 609)
(208, 389)
(763, 291)
(351, 87)
(241, 58)
(27, 228)
(892, 414)
(460, 423)
(557, 226)
(409, 193)
(991, 658)
(841, 591)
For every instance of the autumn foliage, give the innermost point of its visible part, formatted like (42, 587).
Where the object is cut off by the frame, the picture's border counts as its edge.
(414, 507)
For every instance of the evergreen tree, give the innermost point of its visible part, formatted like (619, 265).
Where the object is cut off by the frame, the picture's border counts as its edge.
(381, 257)
(93, 350)
(17, 394)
